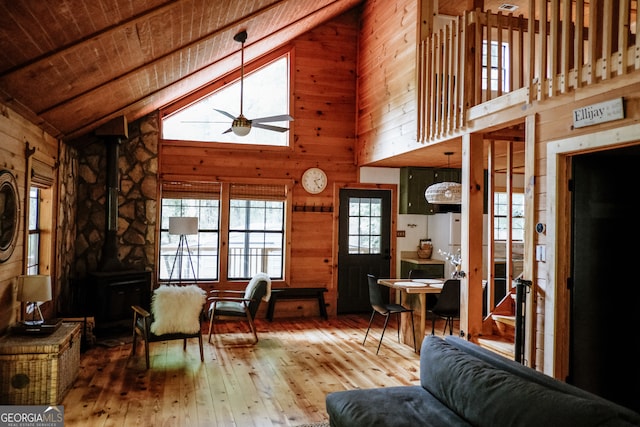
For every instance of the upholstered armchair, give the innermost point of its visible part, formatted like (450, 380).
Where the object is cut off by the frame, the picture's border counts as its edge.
(239, 305)
(176, 313)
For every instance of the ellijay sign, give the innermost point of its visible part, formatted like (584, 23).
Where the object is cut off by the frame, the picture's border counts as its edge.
(598, 113)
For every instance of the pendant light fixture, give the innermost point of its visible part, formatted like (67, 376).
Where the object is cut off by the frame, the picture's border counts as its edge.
(444, 193)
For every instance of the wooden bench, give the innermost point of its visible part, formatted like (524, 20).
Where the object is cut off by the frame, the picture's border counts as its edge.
(297, 293)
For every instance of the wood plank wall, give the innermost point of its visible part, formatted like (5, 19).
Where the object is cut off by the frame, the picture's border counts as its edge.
(15, 133)
(324, 109)
(387, 78)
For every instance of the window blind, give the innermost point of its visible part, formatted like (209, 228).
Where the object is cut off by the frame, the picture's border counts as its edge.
(272, 192)
(190, 190)
(41, 174)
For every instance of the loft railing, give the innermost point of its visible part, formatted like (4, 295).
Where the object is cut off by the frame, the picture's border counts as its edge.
(507, 60)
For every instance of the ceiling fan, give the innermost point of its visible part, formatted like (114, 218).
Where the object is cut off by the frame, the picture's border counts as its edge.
(241, 126)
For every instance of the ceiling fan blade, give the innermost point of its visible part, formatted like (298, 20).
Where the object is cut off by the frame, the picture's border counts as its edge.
(201, 121)
(228, 130)
(280, 118)
(268, 127)
(226, 114)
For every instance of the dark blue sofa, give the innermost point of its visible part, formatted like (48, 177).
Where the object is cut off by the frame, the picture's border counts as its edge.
(462, 384)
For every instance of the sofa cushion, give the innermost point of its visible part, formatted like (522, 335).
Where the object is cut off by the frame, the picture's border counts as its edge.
(538, 377)
(487, 396)
(403, 406)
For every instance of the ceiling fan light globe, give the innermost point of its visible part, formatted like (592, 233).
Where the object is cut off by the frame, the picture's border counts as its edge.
(241, 126)
(240, 130)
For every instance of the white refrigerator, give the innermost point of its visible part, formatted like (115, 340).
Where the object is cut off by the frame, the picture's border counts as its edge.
(444, 231)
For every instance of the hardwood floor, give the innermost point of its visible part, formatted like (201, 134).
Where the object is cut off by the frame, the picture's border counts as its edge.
(281, 381)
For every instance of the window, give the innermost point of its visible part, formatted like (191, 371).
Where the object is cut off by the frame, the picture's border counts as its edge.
(33, 247)
(365, 225)
(200, 200)
(251, 231)
(266, 93)
(501, 219)
(490, 79)
(40, 206)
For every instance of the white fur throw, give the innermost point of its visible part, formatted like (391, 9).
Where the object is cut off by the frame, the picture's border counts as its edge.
(176, 309)
(254, 281)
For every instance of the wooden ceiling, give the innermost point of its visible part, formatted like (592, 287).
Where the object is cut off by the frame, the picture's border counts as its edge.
(72, 65)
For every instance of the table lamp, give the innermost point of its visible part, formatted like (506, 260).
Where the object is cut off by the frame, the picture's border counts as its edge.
(33, 289)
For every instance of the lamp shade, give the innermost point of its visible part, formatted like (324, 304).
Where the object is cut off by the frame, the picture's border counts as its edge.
(183, 225)
(444, 193)
(34, 288)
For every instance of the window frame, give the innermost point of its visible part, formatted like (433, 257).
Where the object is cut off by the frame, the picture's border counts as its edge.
(43, 230)
(33, 230)
(487, 74)
(231, 78)
(224, 227)
(497, 217)
(192, 241)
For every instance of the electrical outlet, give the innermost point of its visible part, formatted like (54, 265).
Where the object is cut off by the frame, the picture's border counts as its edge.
(401, 233)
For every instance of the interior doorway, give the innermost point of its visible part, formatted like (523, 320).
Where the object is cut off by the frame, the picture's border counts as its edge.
(604, 285)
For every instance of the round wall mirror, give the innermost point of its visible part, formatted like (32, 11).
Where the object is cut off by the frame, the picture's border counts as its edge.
(9, 214)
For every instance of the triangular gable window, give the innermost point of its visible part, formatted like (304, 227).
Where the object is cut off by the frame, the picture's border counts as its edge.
(266, 93)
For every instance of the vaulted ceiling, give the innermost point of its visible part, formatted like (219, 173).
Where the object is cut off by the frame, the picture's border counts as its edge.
(72, 65)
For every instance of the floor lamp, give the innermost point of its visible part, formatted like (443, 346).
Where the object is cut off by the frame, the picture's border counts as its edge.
(182, 226)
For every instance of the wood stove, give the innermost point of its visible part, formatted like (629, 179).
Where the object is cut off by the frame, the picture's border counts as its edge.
(114, 288)
(113, 293)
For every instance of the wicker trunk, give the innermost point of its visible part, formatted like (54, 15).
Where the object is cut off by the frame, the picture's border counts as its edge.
(39, 370)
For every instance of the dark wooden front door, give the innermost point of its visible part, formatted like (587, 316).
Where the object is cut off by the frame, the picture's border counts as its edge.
(605, 255)
(364, 245)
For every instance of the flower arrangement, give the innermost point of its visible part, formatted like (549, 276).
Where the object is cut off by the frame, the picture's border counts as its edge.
(455, 260)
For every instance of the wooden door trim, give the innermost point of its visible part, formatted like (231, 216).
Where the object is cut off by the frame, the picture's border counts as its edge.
(556, 302)
(337, 186)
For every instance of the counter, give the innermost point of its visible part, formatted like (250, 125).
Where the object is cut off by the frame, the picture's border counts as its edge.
(410, 261)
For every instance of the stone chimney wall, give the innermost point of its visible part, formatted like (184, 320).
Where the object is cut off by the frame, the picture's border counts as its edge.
(137, 200)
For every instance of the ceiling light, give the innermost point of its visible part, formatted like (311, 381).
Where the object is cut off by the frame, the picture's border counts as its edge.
(444, 193)
(241, 126)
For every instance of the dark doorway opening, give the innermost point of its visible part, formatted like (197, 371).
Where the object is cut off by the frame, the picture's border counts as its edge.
(603, 353)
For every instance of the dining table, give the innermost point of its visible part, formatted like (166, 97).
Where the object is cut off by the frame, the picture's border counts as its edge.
(414, 288)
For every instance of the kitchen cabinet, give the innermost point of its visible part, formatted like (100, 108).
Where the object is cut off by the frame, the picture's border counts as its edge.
(434, 268)
(415, 180)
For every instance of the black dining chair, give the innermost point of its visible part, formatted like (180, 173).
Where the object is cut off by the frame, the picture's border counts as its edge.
(447, 306)
(385, 309)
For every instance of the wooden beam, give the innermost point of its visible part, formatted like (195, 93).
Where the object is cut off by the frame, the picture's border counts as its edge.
(114, 127)
(471, 235)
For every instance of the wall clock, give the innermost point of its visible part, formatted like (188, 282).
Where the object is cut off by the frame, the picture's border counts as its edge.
(314, 180)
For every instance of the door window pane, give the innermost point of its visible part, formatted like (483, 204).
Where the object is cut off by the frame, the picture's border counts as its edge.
(365, 225)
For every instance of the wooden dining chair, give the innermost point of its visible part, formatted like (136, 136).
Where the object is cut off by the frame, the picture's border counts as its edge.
(385, 309)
